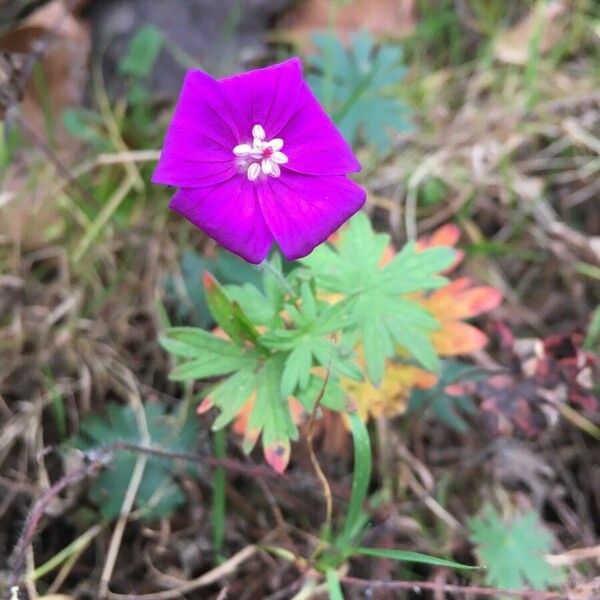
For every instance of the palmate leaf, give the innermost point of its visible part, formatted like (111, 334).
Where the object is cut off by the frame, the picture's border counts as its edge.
(158, 495)
(210, 356)
(258, 391)
(376, 296)
(354, 86)
(256, 394)
(308, 342)
(513, 552)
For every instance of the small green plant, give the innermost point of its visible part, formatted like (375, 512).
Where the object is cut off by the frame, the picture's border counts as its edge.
(513, 551)
(159, 495)
(340, 544)
(357, 87)
(292, 342)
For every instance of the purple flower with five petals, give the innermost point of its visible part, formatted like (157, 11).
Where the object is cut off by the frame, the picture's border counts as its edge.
(257, 160)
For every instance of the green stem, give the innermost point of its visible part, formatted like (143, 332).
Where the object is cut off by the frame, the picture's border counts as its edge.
(219, 496)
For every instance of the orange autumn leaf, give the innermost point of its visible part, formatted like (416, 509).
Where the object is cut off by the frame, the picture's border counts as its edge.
(446, 235)
(456, 337)
(457, 300)
(453, 303)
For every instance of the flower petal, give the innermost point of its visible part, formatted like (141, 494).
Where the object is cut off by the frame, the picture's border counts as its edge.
(230, 214)
(266, 97)
(313, 144)
(303, 211)
(204, 108)
(198, 147)
(189, 159)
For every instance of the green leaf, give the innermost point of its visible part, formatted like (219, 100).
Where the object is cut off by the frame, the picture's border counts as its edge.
(142, 52)
(271, 415)
(360, 481)
(255, 304)
(296, 372)
(211, 356)
(513, 552)
(413, 270)
(159, 495)
(332, 396)
(308, 342)
(413, 557)
(228, 314)
(333, 585)
(375, 296)
(231, 395)
(355, 87)
(191, 342)
(186, 293)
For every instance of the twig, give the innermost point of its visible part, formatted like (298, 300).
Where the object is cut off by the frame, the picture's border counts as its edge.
(93, 463)
(450, 588)
(572, 557)
(310, 432)
(226, 568)
(230, 464)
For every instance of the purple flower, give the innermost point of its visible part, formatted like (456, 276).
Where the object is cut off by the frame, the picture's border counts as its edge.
(257, 160)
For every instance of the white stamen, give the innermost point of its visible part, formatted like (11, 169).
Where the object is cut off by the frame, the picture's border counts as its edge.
(253, 171)
(258, 132)
(242, 149)
(275, 170)
(276, 144)
(262, 156)
(279, 157)
(265, 165)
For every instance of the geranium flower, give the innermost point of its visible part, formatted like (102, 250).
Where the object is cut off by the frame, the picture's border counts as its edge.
(257, 161)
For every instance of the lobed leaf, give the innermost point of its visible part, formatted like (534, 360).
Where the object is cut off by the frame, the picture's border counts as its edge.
(513, 551)
(354, 86)
(158, 495)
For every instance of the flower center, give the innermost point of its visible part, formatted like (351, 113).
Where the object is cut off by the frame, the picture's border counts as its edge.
(262, 156)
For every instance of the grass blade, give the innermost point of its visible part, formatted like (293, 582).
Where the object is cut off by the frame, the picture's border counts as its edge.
(414, 557)
(360, 481)
(333, 585)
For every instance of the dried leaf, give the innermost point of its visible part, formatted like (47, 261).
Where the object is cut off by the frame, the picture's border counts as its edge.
(395, 18)
(390, 397)
(60, 74)
(454, 302)
(514, 46)
(540, 375)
